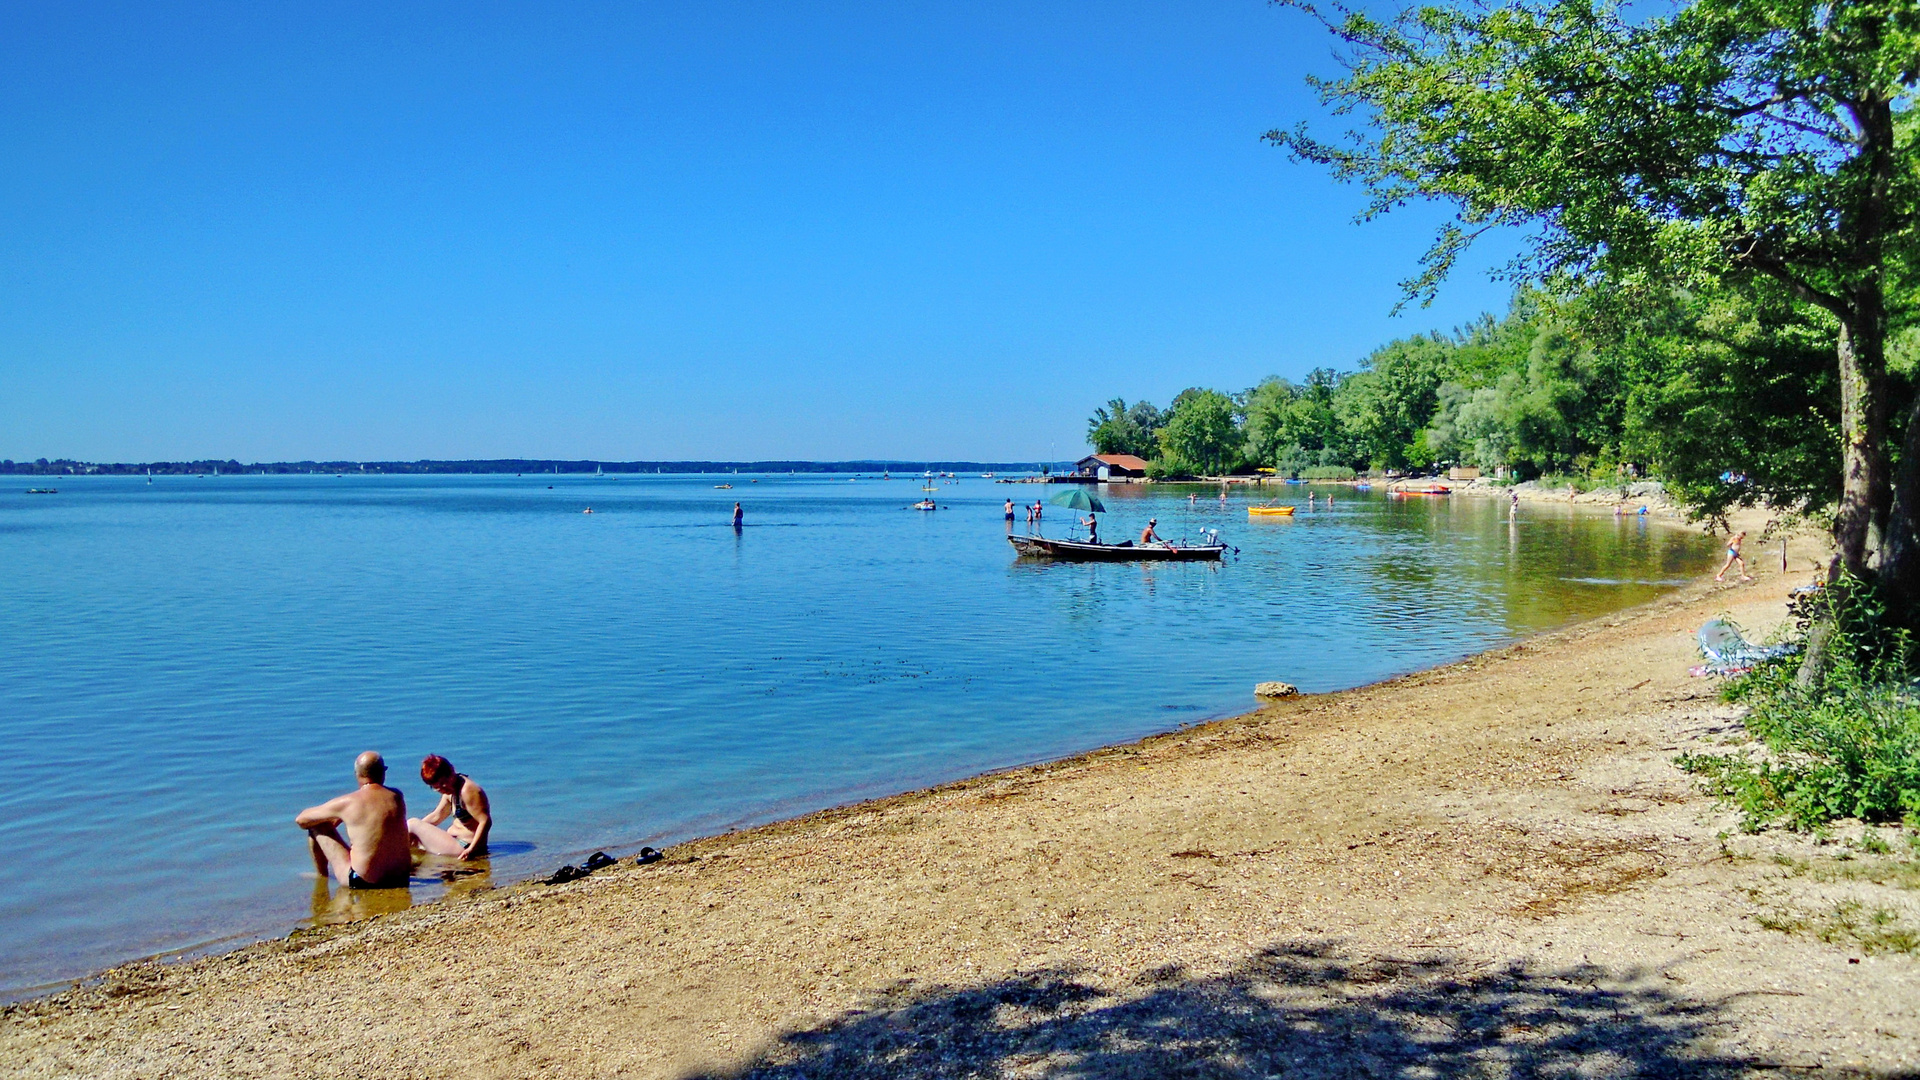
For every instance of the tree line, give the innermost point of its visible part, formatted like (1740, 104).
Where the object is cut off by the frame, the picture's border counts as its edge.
(1726, 395)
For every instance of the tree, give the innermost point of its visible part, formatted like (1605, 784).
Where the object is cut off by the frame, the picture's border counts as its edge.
(1385, 408)
(1202, 433)
(1116, 428)
(1729, 383)
(1269, 407)
(1727, 141)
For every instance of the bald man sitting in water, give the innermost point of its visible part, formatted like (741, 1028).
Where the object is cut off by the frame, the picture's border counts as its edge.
(378, 855)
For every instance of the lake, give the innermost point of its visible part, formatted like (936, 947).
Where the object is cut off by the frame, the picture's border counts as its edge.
(186, 664)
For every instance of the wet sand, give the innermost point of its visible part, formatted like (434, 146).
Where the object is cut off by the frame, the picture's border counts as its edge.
(1488, 867)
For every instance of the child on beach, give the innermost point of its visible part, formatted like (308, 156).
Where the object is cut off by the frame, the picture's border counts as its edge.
(1733, 556)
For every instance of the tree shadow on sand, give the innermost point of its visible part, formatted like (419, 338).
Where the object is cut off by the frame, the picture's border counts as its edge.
(1288, 1011)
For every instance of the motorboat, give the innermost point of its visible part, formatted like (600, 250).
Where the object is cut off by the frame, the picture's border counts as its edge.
(1040, 547)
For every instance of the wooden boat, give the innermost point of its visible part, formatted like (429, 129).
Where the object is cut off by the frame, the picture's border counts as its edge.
(1270, 511)
(1421, 489)
(1039, 547)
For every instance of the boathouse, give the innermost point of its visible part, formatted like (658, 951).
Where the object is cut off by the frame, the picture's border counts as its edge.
(1103, 466)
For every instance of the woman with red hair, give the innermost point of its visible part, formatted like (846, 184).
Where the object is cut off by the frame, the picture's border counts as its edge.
(460, 799)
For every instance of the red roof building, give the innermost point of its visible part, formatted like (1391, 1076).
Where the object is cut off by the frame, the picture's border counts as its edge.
(1111, 465)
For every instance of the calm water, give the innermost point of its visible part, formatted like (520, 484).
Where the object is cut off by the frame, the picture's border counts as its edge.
(185, 665)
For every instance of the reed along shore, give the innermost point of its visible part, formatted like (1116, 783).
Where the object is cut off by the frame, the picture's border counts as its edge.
(1491, 866)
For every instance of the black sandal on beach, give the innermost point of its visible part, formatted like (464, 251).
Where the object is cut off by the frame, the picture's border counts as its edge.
(597, 860)
(648, 855)
(567, 873)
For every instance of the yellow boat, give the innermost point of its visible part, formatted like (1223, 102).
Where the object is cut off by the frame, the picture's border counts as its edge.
(1269, 511)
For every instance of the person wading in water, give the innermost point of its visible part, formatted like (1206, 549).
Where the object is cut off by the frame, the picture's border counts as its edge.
(375, 854)
(460, 799)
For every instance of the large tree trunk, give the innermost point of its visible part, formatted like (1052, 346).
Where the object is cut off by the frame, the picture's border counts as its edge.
(1863, 429)
(1864, 513)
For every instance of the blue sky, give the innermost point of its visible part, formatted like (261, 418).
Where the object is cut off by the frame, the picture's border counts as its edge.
(661, 230)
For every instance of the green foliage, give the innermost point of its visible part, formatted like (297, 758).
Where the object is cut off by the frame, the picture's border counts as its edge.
(1385, 407)
(1117, 428)
(1721, 381)
(1725, 135)
(1690, 385)
(1846, 745)
(1289, 427)
(1202, 434)
(1327, 472)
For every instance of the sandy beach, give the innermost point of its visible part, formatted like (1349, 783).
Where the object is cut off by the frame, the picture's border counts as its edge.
(1487, 868)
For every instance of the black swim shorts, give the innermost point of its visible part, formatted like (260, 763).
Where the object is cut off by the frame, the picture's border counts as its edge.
(355, 881)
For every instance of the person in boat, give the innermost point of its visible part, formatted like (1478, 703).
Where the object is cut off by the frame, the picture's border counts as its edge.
(738, 516)
(375, 854)
(460, 799)
(1148, 536)
(1092, 522)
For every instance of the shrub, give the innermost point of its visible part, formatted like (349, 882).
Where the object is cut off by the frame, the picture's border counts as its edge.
(1327, 472)
(1847, 746)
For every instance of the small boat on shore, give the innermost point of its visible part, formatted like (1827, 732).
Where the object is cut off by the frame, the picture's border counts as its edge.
(1421, 489)
(1270, 511)
(1039, 547)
